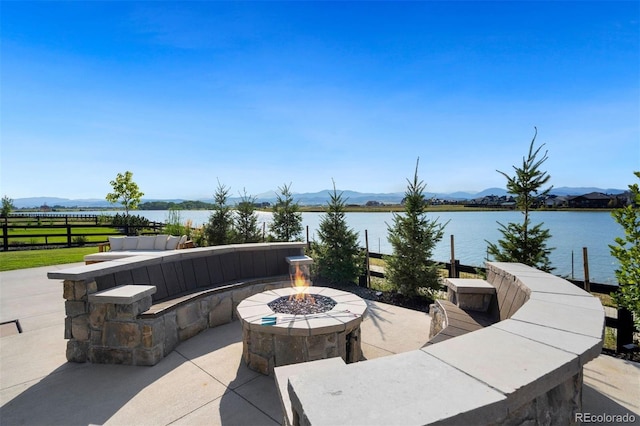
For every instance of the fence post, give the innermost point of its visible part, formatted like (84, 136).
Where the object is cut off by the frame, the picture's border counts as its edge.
(585, 259)
(69, 235)
(625, 329)
(572, 275)
(366, 243)
(452, 268)
(5, 235)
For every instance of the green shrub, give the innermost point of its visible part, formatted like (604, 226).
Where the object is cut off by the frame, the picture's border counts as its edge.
(136, 223)
(80, 240)
(173, 223)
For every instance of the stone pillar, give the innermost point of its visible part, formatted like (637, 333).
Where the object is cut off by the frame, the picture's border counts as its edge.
(76, 324)
(470, 294)
(437, 320)
(117, 336)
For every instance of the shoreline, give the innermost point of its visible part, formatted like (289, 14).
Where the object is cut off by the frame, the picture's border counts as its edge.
(322, 208)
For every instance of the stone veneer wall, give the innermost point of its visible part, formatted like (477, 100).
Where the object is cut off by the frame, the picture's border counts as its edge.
(109, 333)
(294, 339)
(265, 347)
(196, 289)
(557, 406)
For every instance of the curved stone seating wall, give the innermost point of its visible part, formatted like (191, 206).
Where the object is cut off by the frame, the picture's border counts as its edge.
(525, 369)
(138, 309)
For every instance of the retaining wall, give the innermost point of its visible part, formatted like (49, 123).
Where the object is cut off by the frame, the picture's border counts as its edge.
(194, 289)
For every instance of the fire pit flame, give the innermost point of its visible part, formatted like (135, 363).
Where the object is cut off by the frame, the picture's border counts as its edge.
(300, 284)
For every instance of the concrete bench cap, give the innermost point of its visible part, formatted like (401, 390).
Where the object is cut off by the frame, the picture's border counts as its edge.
(124, 294)
(468, 285)
(299, 260)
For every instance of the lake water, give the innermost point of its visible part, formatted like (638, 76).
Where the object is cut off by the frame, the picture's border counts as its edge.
(571, 231)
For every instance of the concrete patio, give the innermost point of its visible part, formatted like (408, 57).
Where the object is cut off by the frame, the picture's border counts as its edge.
(203, 381)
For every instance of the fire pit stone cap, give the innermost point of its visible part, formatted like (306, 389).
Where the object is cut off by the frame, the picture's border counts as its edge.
(253, 312)
(345, 315)
(349, 311)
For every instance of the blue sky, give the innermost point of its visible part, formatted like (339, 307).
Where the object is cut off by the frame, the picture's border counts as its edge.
(260, 94)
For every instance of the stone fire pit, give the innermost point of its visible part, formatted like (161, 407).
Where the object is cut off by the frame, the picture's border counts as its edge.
(272, 339)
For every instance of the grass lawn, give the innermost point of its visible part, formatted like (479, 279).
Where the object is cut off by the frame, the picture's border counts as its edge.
(20, 259)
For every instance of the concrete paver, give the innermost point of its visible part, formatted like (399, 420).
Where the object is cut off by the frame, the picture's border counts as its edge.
(231, 409)
(392, 329)
(204, 380)
(28, 296)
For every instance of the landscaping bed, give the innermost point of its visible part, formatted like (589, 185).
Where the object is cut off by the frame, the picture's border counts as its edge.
(385, 296)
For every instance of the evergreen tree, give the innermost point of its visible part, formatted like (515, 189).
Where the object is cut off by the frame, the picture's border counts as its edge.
(524, 242)
(413, 237)
(220, 230)
(287, 219)
(337, 256)
(246, 220)
(627, 251)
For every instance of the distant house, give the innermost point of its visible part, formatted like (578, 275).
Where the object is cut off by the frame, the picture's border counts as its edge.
(45, 208)
(556, 201)
(493, 201)
(623, 199)
(593, 200)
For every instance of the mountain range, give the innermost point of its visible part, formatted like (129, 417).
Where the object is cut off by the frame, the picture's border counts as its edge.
(312, 198)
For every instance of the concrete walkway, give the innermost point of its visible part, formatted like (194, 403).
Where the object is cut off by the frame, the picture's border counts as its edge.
(203, 381)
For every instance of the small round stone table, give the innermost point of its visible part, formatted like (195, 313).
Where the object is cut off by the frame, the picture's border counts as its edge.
(273, 339)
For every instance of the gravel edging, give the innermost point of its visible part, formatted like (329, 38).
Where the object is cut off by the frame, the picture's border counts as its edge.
(392, 298)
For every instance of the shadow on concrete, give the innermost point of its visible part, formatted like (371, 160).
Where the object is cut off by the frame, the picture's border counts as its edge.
(190, 379)
(251, 403)
(250, 398)
(596, 403)
(377, 315)
(82, 394)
